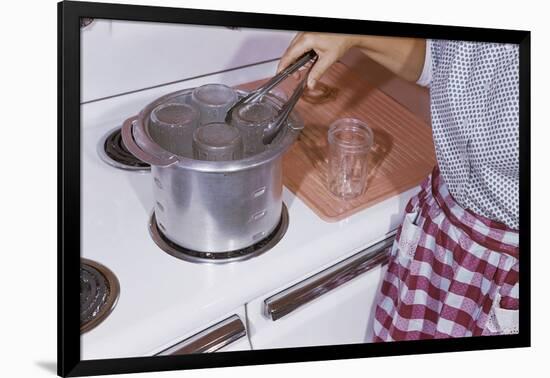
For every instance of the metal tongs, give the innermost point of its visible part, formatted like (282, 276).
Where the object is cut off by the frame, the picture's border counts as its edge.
(256, 95)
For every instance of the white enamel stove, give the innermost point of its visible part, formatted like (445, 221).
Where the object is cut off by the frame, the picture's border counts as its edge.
(318, 274)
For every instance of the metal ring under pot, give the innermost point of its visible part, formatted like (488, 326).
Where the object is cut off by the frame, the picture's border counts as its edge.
(219, 257)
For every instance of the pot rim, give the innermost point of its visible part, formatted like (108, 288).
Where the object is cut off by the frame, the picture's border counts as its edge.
(149, 147)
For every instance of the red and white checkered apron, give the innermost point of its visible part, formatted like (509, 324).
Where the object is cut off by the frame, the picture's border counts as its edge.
(451, 273)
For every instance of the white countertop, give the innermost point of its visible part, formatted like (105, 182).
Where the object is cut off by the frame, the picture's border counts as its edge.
(163, 298)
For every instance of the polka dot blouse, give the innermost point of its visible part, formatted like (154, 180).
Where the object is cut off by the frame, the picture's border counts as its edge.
(474, 89)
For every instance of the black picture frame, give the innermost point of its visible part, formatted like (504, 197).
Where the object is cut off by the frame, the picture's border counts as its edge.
(69, 14)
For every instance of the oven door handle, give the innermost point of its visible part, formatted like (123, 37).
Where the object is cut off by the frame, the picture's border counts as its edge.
(210, 339)
(300, 294)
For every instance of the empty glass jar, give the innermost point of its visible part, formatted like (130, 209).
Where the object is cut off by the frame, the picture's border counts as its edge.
(349, 142)
(217, 142)
(172, 126)
(213, 101)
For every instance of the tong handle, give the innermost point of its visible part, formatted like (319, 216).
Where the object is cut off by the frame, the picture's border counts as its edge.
(277, 79)
(271, 130)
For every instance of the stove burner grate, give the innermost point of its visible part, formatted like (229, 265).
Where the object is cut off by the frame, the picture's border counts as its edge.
(112, 150)
(190, 255)
(99, 291)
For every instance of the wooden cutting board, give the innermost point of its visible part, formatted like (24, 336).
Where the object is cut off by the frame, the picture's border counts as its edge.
(402, 155)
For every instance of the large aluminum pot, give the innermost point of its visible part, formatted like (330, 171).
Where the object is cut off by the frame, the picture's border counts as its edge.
(212, 206)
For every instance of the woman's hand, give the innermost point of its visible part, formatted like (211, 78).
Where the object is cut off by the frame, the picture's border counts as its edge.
(329, 48)
(402, 56)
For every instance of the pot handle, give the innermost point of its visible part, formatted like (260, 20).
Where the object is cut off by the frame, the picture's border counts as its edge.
(137, 151)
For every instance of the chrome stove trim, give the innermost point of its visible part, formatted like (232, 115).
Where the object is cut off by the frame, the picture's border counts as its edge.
(302, 293)
(210, 339)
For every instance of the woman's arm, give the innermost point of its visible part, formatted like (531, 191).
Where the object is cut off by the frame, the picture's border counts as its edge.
(402, 56)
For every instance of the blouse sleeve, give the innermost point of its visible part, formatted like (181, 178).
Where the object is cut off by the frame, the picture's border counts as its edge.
(426, 75)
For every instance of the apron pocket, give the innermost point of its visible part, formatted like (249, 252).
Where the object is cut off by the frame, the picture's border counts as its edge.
(502, 321)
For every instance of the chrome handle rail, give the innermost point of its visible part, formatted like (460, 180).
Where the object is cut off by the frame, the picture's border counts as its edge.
(211, 339)
(288, 300)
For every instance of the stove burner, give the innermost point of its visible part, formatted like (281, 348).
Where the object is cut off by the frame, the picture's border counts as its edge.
(219, 257)
(99, 291)
(112, 151)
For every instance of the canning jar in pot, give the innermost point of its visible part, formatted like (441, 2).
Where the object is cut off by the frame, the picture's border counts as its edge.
(252, 120)
(217, 142)
(213, 101)
(172, 126)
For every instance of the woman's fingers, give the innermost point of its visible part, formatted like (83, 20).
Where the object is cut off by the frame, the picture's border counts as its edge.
(289, 57)
(328, 47)
(295, 38)
(293, 52)
(283, 62)
(319, 68)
